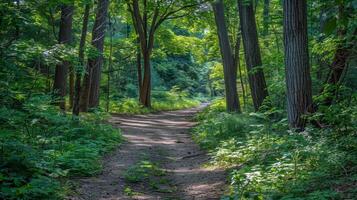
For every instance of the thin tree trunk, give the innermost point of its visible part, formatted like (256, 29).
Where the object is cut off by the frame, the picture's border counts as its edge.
(229, 68)
(238, 65)
(84, 99)
(95, 64)
(82, 44)
(71, 86)
(110, 66)
(252, 53)
(65, 37)
(266, 21)
(145, 95)
(340, 60)
(138, 63)
(297, 69)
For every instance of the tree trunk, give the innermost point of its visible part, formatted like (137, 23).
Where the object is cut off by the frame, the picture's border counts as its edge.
(252, 53)
(229, 68)
(110, 63)
(65, 37)
(340, 59)
(238, 66)
(138, 62)
(96, 64)
(71, 86)
(82, 44)
(298, 80)
(84, 99)
(145, 95)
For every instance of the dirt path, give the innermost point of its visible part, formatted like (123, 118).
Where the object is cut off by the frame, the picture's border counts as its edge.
(162, 139)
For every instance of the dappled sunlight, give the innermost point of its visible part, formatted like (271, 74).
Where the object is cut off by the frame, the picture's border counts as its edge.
(160, 138)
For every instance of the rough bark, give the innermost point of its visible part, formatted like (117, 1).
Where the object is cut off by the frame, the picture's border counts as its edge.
(96, 64)
(65, 37)
(252, 53)
(229, 68)
(297, 69)
(82, 44)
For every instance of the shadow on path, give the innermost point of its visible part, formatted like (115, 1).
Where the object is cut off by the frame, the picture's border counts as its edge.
(164, 138)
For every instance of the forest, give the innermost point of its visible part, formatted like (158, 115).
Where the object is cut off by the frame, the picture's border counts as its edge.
(178, 99)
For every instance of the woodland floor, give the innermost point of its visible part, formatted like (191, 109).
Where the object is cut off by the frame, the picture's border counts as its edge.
(163, 139)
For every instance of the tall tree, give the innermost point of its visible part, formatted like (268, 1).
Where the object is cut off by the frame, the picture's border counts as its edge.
(297, 69)
(147, 18)
(229, 67)
(90, 95)
(252, 53)
(82, 44)
(65, 37)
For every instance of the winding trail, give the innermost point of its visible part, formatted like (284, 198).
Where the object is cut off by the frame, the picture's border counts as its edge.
(162, 138)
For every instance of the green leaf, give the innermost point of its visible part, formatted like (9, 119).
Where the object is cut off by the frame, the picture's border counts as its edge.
(330, 25)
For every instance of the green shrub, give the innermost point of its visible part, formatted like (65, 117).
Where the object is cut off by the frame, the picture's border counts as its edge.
(267, 161)
(41, 147)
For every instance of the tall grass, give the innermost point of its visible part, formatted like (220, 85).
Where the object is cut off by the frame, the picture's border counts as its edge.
(161, 101)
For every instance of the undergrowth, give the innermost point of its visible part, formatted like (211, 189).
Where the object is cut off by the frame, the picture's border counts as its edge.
(268, 161)
(40, 148)
(161, 101)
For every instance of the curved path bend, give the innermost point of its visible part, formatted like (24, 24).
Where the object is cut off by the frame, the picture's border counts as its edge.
(162, 138)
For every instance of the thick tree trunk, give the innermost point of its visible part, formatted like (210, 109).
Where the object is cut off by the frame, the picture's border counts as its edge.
(65, 37)
(252, 53)
(82, 44)
(298, 80)
(229, 68)
(96, 64)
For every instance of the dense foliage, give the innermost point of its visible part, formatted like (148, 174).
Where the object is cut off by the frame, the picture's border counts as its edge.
(41, 148)
(267, 161)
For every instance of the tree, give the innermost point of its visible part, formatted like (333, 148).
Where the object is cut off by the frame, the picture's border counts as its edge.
(91, 82)
(252, 53)
(229, 67)
(297, 69)
(146, 28)
(82, 44)
(342, 55)
(65, 37)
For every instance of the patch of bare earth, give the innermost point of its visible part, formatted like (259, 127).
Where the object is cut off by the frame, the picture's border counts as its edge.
(162, 138)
